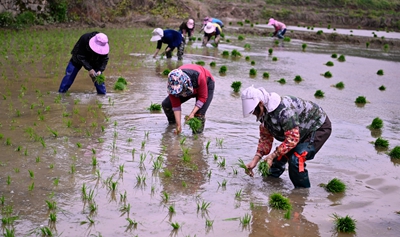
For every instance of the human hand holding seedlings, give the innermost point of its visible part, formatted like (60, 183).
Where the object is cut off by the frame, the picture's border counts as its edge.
(92, 73)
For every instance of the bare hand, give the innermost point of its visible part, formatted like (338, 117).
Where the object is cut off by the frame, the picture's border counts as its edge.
(250, 166)
(178, 130)
(92, 73)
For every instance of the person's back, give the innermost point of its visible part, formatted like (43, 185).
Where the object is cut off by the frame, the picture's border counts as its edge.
(172, 37)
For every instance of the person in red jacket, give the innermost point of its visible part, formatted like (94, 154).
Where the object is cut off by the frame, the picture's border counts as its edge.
(186, 82)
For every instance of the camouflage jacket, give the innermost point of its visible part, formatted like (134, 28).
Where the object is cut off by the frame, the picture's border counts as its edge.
(291, 122)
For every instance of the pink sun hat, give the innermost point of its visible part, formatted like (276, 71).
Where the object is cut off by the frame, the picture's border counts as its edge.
(271, 21)
(99, 44)
(209, 28)
(190, 24)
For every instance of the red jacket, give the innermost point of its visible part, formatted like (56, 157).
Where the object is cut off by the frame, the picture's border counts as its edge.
(198, 76)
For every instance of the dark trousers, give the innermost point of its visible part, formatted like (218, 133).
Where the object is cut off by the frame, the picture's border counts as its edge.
(70, 74)
(167, 105)
(305, 150)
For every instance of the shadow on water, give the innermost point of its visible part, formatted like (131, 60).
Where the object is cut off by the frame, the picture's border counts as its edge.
(110, 146)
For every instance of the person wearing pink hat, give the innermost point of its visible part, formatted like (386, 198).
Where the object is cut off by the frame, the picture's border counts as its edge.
(212, 20)
(184, 83)
(301, 125)
(91, 52)
(187, 28)
(280, 28)
(210, 30)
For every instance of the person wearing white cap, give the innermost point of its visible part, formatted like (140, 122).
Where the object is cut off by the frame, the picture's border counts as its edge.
(280, 28)
(187, 27)
(91, 52)
(172, 38)
(302, 126)
(210, 30)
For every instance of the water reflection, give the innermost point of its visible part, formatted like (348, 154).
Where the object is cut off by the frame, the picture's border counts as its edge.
(271, 222)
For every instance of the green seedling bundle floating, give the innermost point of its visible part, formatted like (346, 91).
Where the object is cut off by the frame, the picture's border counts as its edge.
(266, 75)
(342, 58)
(278, 201)
(328, 74)
(344, 224)
(225, 53)
(213, 64)
(274, 59)
(334, 55)
(282, 81)
(154, 107)
(339, 85)
(380, 72)
(201, 63)
(304, 46)
(334, 186)
(361, 100)
(298, 78)
(376, 123)
(319, 93)
(270, 51)
(223, 69)
(253, 62)
(380, 142)
(236, 86)
(395, 152)
(253, 72)
(329, 63)
(120, 84)
(382, 88)
(235, 53)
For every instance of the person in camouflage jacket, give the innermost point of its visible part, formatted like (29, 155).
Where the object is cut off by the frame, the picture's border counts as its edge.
(302, 126)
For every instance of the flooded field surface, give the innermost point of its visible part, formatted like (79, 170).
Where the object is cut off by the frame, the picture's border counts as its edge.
(80, 164)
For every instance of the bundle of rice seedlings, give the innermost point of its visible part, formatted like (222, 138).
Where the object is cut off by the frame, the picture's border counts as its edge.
(344, 224)
(194, 124)
(263, 168)
(100, 79)
(277, 201)
(335, 186)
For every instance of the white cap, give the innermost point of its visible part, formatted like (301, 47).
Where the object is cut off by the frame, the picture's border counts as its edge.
(251, 97)
(158, 33)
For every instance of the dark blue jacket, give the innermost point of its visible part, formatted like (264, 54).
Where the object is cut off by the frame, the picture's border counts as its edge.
(171, 37)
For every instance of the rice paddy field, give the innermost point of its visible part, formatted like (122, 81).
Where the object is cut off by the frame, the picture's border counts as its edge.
(81, 164)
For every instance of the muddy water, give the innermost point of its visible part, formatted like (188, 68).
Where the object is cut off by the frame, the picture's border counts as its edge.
(127, 139)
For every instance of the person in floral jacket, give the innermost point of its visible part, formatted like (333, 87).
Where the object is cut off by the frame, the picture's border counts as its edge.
(302, 126)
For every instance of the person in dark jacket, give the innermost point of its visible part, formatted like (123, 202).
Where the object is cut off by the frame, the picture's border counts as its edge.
(91, 52)
(186, 82)
(172, 38)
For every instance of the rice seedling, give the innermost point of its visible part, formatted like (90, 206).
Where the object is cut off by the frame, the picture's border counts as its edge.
(94, 161)
(334, 186)
(165, 196)
(212, 64)
(53, 132)
(266, 75)
(304, 46)
(184, 184)
(186, 156)
(274, 59)
(247, 58)
(56, 181)
(208, 145)
(166, 72)
(167, 173)
(238, 194)
(339, 85)
(53, 217)
(253, 72)
(276, 42)
(175, 225)
(201, 63)
(79, 145)
(16, 170)
(298, 78)
(286, 39)
(319, 93)
(219, 141)
(2, 199)
(236, 86)
(209, 223)
(31, 174)
(270, 51)
(171, 209)
(126, 208)
(240, 37)
(223, 183)
(282, 81)
(329, 63)
(344, 224)
(89, 221)
(222, 163)
(385, 46)
(92, 207)
(132, 222)
(72, 168)
(119, 86)
(361, 100)
(143, 144)
(121, 168)
(277, 201)
(157, 164)
(382, 88)
(8, 180)
(235, 53)
(380, 72)
(245, 220)
(225, 53)
(242, 165)
(342, 58)
(367, 44)
(247, 46)
(376, 123)
(223, 69)
(140, 179)
(46, 231)
(9, 232)
(263, 168)
(19, 148)
(395, 152)
(380, 142)
(328, 74)
(52, 205)
(203, 206)
(195, 124)
(209, 174)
